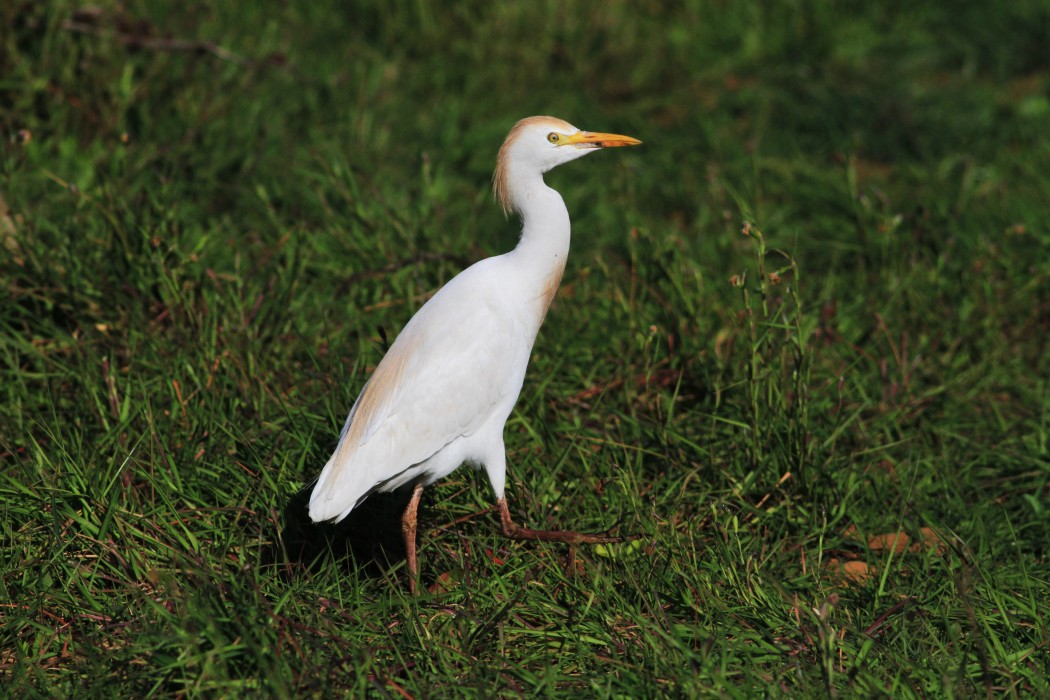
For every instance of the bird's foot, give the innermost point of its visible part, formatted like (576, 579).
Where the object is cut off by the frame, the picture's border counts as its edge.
(570, 537)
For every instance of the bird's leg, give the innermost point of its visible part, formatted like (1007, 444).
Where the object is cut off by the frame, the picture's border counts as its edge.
(516, 532)
(408, 531)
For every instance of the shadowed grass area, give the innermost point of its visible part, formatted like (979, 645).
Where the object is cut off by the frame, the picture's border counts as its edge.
(799, 346)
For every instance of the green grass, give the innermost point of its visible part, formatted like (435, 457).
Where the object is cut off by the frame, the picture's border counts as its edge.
(203, 254)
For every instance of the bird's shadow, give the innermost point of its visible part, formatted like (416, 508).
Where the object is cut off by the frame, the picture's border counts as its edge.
(368, 540)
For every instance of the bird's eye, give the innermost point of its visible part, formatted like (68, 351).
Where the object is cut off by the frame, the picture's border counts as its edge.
(553, 137)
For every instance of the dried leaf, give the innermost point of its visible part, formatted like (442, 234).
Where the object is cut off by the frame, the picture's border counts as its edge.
(929, 540)
(444, 582)
(850, 572)
(897, 542)
(620, 550)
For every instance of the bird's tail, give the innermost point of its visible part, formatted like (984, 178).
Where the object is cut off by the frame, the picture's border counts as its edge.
(325, 504)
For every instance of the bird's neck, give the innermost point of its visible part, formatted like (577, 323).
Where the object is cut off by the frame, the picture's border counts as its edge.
(544, 246)
(545, 230)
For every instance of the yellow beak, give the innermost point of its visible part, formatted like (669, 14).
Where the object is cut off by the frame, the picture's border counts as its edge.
(600, 140)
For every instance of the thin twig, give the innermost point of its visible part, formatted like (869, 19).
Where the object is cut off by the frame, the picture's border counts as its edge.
(874, 629)
(158, 43)
(462, 519)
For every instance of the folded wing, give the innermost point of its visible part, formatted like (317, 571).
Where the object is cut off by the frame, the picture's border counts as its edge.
(441, 380)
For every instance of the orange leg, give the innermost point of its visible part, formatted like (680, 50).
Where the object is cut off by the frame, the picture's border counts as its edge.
(516, 532)
(408, 531)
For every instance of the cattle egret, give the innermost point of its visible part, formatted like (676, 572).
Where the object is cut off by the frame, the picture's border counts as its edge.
(443, 392)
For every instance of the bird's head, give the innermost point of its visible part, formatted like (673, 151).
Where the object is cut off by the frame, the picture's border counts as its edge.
(538, 144)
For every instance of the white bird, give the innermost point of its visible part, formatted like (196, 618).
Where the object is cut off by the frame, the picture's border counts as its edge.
(442, 393)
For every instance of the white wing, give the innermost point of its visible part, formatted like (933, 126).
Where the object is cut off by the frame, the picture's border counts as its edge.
(446, 374)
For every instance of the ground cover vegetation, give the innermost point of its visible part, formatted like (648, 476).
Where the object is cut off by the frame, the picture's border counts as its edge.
(800, 347)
